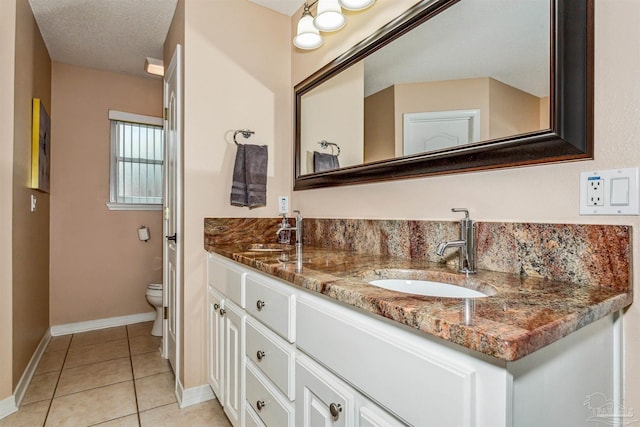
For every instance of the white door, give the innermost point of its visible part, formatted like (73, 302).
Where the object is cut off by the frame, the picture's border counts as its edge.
(172, 207)
(435, 130)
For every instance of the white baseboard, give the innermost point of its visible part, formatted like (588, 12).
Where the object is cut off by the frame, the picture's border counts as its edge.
(194, 395)
(28, 372)
(92, 325)
(7, 406)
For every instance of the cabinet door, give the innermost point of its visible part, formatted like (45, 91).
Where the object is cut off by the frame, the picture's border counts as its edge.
(371, 415)
(233, 319)
(322, 400)
(215, 345)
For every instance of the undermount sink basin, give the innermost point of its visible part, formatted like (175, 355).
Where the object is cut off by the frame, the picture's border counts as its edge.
(268, 247)
(427, 288)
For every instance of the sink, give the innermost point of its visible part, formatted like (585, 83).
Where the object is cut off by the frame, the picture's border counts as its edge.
(268, 247)
(427, 288)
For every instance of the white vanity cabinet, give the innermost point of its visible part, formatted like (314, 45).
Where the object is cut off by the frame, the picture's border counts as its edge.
(312, 361)
(270, 352)
(225, 348)
(226, 337)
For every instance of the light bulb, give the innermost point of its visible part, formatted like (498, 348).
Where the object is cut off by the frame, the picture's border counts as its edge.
(329, 16)
(307, 36)
(356, 4)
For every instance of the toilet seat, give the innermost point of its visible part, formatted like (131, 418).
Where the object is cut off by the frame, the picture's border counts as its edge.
(155, 286)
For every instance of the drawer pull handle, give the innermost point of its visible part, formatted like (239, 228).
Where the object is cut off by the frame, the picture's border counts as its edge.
(216, 306)
(260, 404)
(260, 354)
(222, 312)
(260, 305)
(335, 409)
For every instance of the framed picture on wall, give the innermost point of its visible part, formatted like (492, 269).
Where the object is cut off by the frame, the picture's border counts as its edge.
(40, 147)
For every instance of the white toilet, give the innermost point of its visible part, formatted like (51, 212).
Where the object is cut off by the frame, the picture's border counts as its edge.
(154, 296)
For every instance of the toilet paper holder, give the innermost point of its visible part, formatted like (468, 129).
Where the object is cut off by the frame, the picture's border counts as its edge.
(143, 233)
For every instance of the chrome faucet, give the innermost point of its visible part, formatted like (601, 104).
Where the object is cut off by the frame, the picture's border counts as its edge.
(466, 244)
(298, 230)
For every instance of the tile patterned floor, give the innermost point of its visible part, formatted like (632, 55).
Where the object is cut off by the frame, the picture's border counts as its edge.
(109, 378)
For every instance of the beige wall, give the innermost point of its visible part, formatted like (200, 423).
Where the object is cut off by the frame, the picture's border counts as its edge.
(30, 249)
(175, 35)
(99, 268)
(339, 103)
(7, 51)
(512, 111)
(546, 193)
(379, 125)
(237, 63)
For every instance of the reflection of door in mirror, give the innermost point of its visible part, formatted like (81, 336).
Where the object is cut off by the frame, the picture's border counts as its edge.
(504, 111)
(491, 55)
(431, 131)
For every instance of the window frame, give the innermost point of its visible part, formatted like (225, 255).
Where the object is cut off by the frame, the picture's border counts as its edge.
(139, 119)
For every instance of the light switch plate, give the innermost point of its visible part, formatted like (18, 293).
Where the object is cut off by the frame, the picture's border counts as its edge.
(610, 192)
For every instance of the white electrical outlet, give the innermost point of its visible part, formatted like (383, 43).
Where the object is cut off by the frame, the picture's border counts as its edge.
(283, 205)
(595, 191)
(610, 192)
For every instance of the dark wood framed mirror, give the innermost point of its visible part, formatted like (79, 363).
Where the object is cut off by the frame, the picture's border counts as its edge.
(566, 122)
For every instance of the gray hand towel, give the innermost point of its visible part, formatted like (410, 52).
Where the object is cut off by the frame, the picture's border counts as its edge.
(255, 163)
(249, 187)
(239, 185)
(324, 162)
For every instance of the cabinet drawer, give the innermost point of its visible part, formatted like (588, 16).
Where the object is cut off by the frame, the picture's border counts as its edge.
(272, 355)
(226, 278)
(423, 383)
(273, 409)
(273, 304)
(321, 398)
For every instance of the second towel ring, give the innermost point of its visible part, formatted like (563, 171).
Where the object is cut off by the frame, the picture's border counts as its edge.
(245, 132)
(324, 144)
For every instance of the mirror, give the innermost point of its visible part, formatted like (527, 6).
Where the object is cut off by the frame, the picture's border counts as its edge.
(449, 86)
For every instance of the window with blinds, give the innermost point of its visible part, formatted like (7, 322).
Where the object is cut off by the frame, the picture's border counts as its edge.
(137, 156)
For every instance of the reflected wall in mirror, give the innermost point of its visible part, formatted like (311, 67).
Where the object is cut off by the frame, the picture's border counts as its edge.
(452, 85)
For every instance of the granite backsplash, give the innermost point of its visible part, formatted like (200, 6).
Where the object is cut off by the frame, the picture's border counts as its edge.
(577, 253)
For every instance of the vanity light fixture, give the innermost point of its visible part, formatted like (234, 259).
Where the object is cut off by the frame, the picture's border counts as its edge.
(329, 18)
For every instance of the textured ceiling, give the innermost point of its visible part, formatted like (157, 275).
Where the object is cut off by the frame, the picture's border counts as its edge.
(113, 35)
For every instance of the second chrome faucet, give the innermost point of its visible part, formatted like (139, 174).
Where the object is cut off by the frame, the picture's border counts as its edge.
(298, 230)
(466, 244)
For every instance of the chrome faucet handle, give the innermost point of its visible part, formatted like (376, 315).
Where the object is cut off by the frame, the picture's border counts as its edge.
(465, 210)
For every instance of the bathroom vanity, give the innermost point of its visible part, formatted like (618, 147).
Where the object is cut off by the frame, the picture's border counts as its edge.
(324, 347)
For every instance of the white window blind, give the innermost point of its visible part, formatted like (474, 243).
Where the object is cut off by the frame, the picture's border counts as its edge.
(137, 156)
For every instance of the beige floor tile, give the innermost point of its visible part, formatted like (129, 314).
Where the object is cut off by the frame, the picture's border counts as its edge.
(137, 329)
(144, 344)
(93, 406)
(99, 374)
(85, 355)
(41, 387)
(59, 343)
(206, 414)
(155, 390)
(99, 336)
(31, 415)
(149, 364)
(128, 421)
(51, 361)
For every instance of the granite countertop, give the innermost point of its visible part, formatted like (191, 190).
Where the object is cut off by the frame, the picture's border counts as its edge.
(523, 315)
